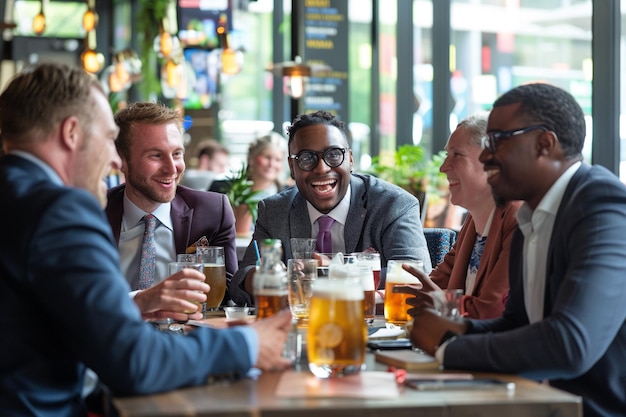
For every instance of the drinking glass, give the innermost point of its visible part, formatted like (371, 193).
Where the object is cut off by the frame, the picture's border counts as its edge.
(212, 258)
(448, 302)
(372, 259)
(302, 248)
(301, 274)
(395, 306)
(337, 332)
(174, 267)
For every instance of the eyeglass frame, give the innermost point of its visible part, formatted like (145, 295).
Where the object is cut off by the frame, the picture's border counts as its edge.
(492, 138)
(316, 155)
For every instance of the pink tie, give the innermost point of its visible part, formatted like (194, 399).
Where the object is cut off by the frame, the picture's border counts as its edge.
(324, 240)
(147, 265)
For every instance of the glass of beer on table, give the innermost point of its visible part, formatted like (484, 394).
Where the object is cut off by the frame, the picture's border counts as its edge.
(337, 332)
(212, 258)
(396, 308)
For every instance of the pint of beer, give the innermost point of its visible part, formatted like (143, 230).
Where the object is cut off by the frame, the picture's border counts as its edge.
(216, 278)
(215, 274)
(337, 333)
(395, 303)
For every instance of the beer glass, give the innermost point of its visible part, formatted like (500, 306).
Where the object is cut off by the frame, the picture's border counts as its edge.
(337, 333)
(301, 274)
(212, 258)
(369, 293)
(302, 248)
(395, 306)
(372, 259)
(174, 267)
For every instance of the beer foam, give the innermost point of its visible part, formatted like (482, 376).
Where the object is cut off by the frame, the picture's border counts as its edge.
(396, 274)
(341, 289)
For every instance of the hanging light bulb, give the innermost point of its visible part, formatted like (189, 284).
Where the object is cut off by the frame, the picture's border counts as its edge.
(90, 19)
(231, 60)
(93, 61)
(39, 22)
(296, 75)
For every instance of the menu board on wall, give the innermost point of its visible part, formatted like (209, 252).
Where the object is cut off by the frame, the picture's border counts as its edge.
(326, 43)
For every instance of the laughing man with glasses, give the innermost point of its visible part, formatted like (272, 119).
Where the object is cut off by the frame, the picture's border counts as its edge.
(368, 213)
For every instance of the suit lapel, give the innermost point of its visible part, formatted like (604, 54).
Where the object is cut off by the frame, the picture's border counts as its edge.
(182, 215)
(354, 223)
(299, 222)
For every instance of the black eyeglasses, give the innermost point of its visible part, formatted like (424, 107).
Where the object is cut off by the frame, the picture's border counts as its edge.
(495, 136)
(308, 160)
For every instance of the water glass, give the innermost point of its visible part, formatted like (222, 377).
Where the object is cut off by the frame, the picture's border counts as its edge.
(301, 274)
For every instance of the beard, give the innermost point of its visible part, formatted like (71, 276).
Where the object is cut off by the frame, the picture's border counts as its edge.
(151, 192)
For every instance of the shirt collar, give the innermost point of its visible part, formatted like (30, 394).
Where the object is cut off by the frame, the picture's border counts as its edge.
(51, 173)
(552, 199)
(339, 213)
(133, 214)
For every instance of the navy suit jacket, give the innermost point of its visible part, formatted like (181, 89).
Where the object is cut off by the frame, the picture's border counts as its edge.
(382, 216)
(194, 214)
(580, 345)
(64, 305)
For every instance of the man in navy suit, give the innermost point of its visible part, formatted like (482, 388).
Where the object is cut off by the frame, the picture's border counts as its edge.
(564, 319)
(151, 147)
(368, 213)
(64, 303)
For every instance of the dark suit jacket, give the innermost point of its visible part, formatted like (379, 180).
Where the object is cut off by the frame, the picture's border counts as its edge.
(580, 345)
(64, 305)
(492, 280)
(382, 216)
(194, 214)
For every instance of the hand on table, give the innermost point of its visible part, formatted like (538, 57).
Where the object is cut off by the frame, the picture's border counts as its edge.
(272, 333)
(174, 297)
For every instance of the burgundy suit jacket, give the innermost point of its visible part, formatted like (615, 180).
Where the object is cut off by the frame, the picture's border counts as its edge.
(492, 280)
(194, 214)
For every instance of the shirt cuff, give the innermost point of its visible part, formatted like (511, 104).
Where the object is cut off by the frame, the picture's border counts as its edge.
(449, 337)
(132, 294)
(252, 341)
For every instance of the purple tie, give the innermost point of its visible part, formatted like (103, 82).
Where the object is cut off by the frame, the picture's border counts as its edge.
(324, 240)
(147, 265)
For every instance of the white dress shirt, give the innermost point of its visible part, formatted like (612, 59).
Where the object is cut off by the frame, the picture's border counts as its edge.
(537, 228)
(131, 236)
(340, 214)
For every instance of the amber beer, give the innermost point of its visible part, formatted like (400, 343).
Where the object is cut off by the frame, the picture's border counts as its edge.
(337, 333)
(215, 276)
(369, 297)
(396, 308)
(270, 301)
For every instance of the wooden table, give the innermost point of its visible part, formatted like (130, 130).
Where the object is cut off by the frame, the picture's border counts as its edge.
(249, 398)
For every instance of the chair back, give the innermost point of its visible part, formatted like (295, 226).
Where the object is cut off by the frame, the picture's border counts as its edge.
(439, 241)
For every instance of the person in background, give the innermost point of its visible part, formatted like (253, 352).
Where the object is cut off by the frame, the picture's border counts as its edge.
(63, 299)
(151, 147)
(212, 163)
(564, 318)
(264, 166)
(360, 211)
(479, 260)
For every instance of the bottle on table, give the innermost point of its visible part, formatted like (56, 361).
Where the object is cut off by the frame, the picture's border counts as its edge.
(271, 287)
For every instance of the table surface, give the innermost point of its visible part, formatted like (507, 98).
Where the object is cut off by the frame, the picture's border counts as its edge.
(256, 398)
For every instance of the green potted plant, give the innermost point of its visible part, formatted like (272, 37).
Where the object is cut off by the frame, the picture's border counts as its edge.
(409, 168)
(243, 200)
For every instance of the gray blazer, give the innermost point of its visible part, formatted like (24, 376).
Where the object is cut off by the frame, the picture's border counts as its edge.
(580, 345)
(382, 216)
